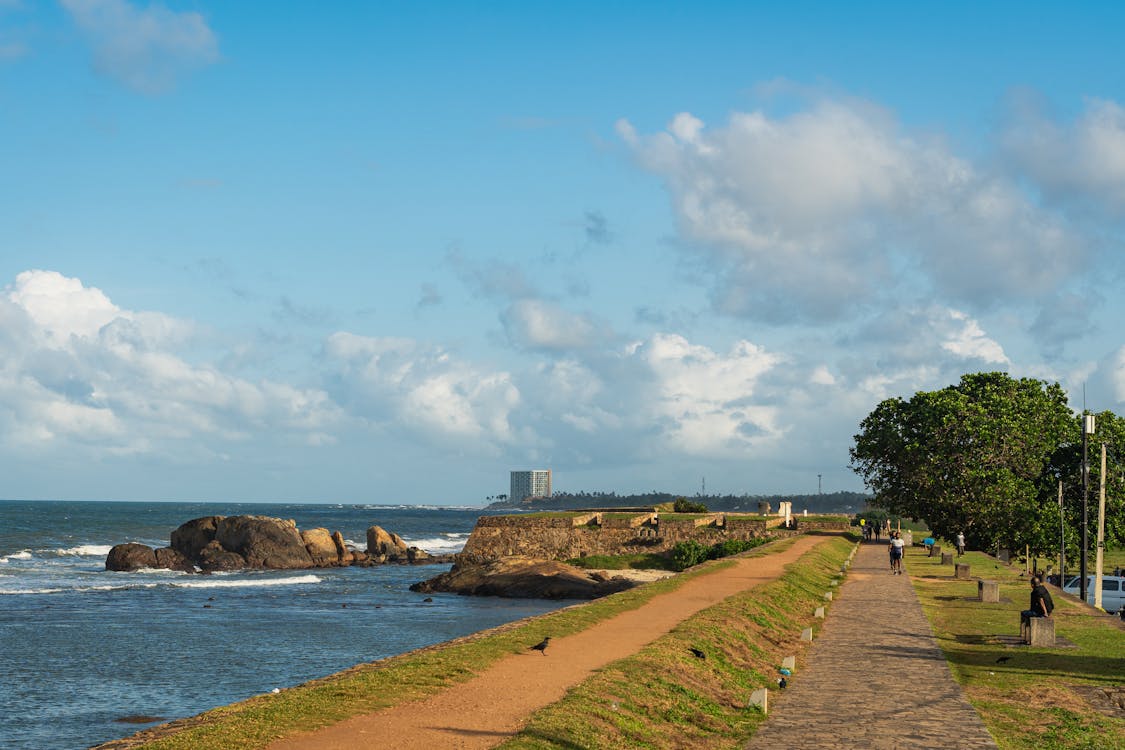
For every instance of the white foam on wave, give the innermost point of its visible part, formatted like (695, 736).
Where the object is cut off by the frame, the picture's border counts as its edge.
(30, 591)
(85, 550)
(21, 555)
(291, 581)
(442, 544)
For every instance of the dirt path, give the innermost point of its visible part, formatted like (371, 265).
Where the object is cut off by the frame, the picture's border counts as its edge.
(493, 706)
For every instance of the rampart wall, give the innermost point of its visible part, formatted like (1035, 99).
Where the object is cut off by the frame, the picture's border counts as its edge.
(570, 535)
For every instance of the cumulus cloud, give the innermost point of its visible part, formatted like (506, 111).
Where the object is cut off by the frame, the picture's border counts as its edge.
(1080, 160)
(408, 387)
(77, 369)
(148, 48)
(545, 326)
(804, 217)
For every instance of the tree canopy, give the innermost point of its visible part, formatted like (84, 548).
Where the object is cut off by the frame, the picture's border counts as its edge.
(984, 457)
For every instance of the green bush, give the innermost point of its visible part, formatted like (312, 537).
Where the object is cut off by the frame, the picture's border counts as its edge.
(689, 553)
(733, 547)
(683, 505)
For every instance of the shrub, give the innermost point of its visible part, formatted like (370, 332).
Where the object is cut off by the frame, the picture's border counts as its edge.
(689, 553)
(683, 505)
(733, 547)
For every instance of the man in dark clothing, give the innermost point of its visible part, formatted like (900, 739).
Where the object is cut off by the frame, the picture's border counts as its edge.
(1041, 603)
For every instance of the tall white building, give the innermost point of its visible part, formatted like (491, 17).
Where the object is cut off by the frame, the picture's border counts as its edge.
(529, 484)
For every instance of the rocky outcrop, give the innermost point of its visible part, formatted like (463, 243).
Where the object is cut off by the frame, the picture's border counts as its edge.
(265, 542)
(218, 543)
(130, 556)
(524, 578)
(381, 542)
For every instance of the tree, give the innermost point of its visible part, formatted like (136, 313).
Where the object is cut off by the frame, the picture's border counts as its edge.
(974, 457)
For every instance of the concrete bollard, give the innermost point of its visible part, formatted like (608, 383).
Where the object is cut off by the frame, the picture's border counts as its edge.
(819, 613)
(946, 558)
(806, 634)
(827, 596)
(935, 551)
(961, 570)
(834, 582)
(760, 698)
(988, 591)
(789, 662)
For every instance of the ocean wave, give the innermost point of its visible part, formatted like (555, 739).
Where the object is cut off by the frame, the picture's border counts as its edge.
(22, 555)
(208, 584)
(84, 550)
(290, 581)
(444, 543)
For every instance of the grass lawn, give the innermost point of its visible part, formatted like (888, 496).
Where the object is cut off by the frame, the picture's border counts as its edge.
(1036, 698)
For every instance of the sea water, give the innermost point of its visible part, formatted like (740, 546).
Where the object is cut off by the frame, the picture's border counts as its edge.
(82, 648)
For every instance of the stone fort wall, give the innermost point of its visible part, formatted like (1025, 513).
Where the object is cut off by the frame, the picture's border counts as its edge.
(570, 535)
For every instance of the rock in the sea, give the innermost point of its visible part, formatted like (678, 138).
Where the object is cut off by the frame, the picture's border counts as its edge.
(343, 554)
(321, 547)
(214, 557)
(381, 542)
(130, 556)
(171, 559)
(264, 542)
(191, 537)
(525, 578)
(417, 555)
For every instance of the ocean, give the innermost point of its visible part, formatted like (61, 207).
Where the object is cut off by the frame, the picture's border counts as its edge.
(82, 648)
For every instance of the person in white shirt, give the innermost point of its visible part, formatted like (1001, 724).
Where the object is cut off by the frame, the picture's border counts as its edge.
(897, 547)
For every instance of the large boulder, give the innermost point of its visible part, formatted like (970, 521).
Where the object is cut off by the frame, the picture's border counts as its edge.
(214, 557)
(264, 542)
(130, 556)
(166, 557)
(381, 542)
(321, 547)
(525, 578)
(190, 538)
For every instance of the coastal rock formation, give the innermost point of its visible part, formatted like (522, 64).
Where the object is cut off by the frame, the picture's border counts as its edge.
(524, 578)
(220, 543)
(265, 542)
(130, 556)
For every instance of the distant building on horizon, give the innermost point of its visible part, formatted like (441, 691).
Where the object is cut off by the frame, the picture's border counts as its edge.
(530, 484)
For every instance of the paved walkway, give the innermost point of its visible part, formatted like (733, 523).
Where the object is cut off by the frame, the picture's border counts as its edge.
(875, 677)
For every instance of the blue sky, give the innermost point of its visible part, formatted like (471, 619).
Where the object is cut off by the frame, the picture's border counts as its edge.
(387, 252)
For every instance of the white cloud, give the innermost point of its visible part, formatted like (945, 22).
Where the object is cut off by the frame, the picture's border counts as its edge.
(75, 369)
(146, 49)
(408, 387)
(805, 215)
(966, 339)
(538, 324)
(1082, 160)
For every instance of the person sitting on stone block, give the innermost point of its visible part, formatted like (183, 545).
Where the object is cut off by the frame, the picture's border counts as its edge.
(1041, 603)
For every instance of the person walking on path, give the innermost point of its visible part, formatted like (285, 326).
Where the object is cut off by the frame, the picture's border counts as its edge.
(897, 548)
(960, 543)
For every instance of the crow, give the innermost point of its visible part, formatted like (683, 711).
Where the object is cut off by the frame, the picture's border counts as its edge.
(541, 647)
(1003, 659)
(697, 653)
(782, 682)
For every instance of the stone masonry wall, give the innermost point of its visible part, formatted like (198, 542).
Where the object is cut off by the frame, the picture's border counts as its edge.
(568, 536)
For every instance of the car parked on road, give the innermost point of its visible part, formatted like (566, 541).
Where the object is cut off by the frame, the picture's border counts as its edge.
(1113, 591)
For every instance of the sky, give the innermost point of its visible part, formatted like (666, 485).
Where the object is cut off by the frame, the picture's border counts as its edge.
(388, 252)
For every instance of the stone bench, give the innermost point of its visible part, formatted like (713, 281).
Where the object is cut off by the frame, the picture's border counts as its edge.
(961, 570)
(1038, 631)
(988, 591)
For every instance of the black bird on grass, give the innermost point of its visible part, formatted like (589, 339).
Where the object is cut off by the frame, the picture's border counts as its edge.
(782, 683)
(1003, 659)
(541, 647)
(697, 653)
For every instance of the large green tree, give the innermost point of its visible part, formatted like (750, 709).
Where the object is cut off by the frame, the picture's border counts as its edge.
(977, 457)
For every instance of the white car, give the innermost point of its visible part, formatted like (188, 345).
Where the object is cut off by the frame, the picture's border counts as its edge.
(1113, 591)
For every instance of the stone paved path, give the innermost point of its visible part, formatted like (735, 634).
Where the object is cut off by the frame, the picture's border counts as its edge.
(875, 677)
